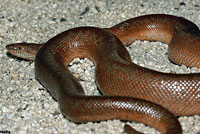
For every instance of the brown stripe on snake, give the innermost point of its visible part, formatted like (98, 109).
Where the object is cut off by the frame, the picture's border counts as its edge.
(130, 92)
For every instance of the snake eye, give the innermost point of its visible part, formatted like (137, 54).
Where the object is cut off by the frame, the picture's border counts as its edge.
(20, 48)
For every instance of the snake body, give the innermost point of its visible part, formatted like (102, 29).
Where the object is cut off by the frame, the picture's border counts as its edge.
(130, 92)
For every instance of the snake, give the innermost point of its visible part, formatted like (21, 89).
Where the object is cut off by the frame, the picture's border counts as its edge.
(129, 92)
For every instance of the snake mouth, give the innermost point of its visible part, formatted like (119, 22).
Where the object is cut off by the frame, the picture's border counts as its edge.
(14, 49)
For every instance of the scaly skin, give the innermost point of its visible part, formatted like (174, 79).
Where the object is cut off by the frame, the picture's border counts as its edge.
(130, 92)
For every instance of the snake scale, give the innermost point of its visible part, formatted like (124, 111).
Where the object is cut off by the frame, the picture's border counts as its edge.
(130, 92)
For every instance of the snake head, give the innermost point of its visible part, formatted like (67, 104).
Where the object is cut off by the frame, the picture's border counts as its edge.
(26, 51)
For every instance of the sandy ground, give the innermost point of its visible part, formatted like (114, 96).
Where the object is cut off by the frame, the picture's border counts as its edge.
(25, 106)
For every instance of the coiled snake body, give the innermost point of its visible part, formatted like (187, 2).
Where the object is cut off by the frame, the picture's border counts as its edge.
(130, 92)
